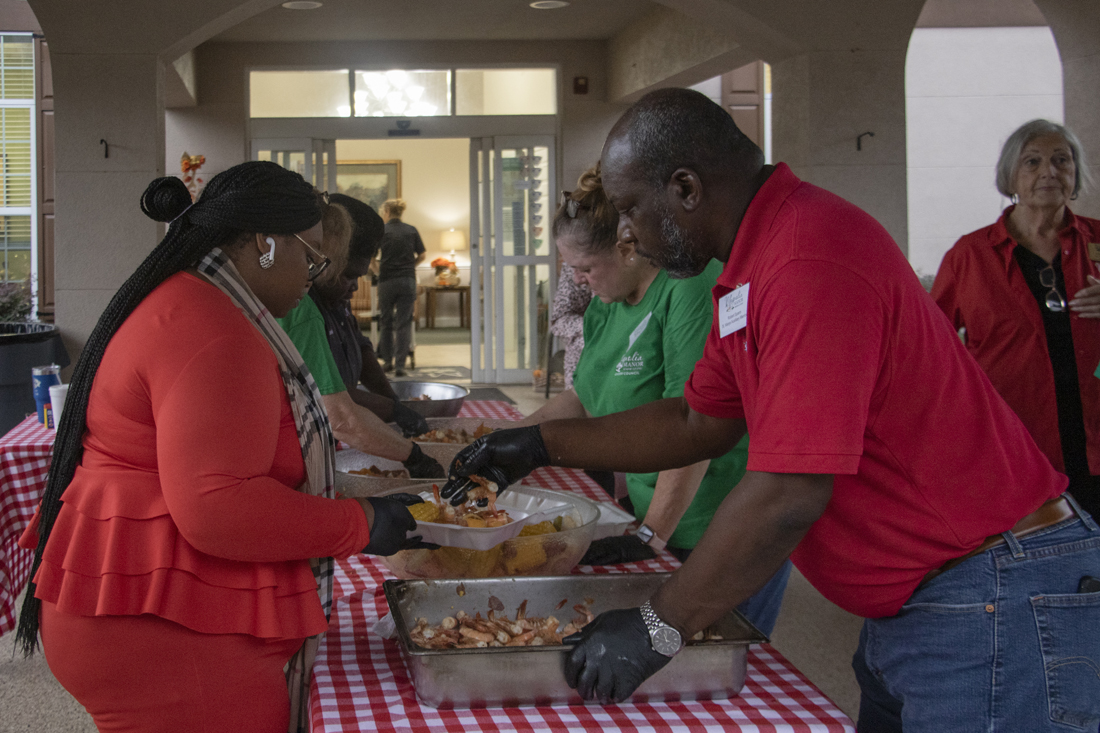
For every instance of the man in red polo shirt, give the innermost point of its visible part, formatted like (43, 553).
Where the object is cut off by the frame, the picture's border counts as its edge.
(881, 458)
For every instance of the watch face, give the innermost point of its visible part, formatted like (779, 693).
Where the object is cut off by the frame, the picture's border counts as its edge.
(645, 533)
(666, 640)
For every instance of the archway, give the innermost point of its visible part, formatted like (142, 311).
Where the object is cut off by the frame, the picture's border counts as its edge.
(974, 72)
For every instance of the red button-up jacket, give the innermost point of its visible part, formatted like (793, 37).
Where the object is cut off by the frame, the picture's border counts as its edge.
(981, 287)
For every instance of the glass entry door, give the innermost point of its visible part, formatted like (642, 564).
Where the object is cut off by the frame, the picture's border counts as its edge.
(313, 159)
(512, 277)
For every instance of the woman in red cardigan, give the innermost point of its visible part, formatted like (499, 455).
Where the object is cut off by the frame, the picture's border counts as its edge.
(1027, 293)
(186, 538)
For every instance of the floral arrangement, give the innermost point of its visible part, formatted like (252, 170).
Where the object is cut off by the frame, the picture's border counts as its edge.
(446, 272)
(189, 165)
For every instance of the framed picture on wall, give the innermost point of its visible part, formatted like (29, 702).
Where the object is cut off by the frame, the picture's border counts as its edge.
(370, 181)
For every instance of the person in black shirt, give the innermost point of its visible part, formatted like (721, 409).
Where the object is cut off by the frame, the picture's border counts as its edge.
(401, 251)
(353, 352)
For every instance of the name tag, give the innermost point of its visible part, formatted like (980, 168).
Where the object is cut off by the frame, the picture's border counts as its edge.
(1094, 251)
(733, 311)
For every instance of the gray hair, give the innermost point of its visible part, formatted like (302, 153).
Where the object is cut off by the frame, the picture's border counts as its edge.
(1009, 162)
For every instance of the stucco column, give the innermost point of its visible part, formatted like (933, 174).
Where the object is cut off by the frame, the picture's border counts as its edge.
(821, 102)
(101, 234)
(1076, 28)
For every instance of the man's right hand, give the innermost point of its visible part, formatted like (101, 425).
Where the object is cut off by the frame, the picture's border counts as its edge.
(503, 457)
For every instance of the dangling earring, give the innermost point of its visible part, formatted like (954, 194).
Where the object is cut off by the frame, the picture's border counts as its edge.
(1014, 199)
(267, 259)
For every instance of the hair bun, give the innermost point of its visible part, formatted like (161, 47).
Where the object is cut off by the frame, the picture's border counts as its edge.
(165, 199)
(590, 181)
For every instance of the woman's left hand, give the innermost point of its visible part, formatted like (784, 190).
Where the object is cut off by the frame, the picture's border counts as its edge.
(1086, 301)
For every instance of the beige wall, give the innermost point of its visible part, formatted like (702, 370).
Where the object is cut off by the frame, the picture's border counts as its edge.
(665, 48)
(1076, 28)
(435, 182)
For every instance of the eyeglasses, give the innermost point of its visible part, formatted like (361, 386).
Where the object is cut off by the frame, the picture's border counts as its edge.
(315, 269)
(570, 204)
(1054, 300)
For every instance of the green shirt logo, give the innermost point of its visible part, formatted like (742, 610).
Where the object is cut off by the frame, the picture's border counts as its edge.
(630, 366)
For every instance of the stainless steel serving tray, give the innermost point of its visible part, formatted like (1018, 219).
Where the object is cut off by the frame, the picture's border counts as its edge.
(515, 676)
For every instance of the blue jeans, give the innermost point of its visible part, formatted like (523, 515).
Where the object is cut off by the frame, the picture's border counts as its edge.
(1001, 642)
(762, 608)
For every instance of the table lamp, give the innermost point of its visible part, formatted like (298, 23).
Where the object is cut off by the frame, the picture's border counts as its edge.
(453, 240)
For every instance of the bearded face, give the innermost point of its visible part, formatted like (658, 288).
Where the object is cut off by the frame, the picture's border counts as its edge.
(671, 247)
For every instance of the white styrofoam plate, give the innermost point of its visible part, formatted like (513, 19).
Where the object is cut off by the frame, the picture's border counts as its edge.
(523, 508)
(613, 520)
(353, 460)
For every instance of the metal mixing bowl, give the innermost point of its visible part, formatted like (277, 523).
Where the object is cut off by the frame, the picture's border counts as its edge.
(446, 399)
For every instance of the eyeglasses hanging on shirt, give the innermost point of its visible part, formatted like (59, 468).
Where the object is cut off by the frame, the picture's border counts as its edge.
(1054, 300)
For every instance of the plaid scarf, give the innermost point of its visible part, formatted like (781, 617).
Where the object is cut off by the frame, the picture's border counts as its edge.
(310, 418)
(318, 451)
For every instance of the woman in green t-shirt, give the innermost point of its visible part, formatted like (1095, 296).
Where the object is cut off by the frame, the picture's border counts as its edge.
(643, 333)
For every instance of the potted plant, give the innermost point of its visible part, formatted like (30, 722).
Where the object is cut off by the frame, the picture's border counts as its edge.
(24, 344)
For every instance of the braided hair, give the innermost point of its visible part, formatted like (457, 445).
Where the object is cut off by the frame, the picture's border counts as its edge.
(248, 198)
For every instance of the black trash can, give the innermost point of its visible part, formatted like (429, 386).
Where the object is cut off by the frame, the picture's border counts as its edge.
(24, 346)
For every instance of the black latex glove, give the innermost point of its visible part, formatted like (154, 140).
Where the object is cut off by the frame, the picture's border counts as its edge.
(409, 420)
(612, 656)
(421, 465)
(503, 457)
(392, 521)
(615, 550)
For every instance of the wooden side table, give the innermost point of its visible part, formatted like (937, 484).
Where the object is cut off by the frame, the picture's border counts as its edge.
(463, 292)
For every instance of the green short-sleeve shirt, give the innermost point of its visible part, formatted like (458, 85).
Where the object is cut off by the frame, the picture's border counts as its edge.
(635, 354)
(306, 327)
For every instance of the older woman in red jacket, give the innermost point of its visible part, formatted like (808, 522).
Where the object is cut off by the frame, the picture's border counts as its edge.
(1027, 293)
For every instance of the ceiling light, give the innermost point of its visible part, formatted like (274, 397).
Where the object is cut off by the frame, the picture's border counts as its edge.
(548, 4)
(302, 5)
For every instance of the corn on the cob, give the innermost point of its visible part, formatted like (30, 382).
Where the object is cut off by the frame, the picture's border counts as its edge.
(523, 555)
(546, 527)
(424, 512)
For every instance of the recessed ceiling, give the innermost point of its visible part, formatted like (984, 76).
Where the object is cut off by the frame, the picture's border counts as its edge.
(436, 20)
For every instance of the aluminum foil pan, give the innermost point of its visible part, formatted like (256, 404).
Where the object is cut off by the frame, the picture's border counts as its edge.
(517, 676)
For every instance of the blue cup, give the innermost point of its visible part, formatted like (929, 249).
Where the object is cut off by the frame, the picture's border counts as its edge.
(42, 378)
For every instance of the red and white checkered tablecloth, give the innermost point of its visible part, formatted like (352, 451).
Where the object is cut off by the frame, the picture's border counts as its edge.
(360, 681)
(25, 454)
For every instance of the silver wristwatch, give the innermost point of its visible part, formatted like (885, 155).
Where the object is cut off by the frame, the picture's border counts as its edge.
(646, 533)
(663, 638)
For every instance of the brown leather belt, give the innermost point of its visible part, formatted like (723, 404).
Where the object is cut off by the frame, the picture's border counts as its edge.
(1051, 512)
